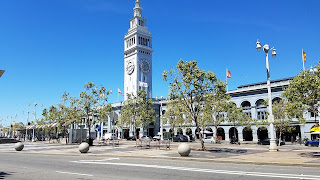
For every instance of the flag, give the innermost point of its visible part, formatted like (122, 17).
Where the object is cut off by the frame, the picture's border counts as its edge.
(228, 74)
(304, 56)
(120, 92)
(1, 72)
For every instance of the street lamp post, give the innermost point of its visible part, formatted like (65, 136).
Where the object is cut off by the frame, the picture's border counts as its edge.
(312, 71)
(266, 48)
(27, 126)
(161, 121)
(35, 117)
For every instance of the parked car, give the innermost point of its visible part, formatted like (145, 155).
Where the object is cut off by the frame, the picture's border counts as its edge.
(180, 138)
(157, 137)
(110, 136)
(210, 140)
(131, 138)
(146, 138)
(314, 142)
(267, 142)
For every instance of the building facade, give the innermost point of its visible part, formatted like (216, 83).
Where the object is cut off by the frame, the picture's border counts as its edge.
(138, 75)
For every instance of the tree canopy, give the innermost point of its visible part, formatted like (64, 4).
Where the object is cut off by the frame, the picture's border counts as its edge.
(188, 85)
(303, 92)
(137, 111)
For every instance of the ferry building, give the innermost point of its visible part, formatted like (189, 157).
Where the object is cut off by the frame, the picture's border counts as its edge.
(138, 75)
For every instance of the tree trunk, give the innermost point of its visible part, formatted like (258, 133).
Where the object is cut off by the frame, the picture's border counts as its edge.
(280, 132)
(215, 134)
(89, 128)
(200, 135)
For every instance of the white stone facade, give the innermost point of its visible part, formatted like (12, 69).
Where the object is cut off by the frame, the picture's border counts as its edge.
(138, 55)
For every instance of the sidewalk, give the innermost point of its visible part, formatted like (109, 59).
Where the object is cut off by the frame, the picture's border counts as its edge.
(288, 155)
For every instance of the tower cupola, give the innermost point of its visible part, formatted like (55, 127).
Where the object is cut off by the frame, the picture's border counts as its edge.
(137, 10)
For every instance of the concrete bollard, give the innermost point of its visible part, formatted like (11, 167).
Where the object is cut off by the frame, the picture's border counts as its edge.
(184, 149)
(84, 147)
(19, 146)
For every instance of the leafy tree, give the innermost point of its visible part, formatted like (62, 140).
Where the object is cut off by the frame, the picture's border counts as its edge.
(50, 116)
(303, 91)
(237, 117)
(284, 113)
(216, 104)
(103, 110)
(89, 101)
(137, 111)
(188, 85)
(174, 115)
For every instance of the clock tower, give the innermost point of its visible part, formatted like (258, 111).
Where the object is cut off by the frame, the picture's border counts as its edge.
(137, 55)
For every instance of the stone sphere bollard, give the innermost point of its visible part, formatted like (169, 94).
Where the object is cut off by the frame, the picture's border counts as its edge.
(19, 146)
(84, 147)
(184, 149)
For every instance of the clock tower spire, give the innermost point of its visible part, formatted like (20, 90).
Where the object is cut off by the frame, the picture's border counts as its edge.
(137, 55)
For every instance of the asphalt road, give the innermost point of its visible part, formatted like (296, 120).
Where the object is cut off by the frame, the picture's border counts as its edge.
(33, 166)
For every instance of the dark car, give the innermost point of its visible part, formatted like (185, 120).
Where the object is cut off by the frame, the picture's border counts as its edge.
(314, 142)
(267, 142)
(131, 138)
(180, 138)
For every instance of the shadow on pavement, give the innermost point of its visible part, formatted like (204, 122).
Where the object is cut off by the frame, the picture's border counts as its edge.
(311, 154)
(3, 175)
(233, 151)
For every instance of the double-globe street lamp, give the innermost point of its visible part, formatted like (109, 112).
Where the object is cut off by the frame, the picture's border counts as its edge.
(266, 49)
(35, 113)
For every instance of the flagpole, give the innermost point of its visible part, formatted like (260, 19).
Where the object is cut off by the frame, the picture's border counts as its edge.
(302, 59)
(227, 79)
(118, 97)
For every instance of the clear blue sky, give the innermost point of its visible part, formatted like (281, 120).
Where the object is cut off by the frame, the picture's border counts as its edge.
(48, 47)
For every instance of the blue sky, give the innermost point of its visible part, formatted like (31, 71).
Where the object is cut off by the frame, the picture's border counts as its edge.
(48, 47)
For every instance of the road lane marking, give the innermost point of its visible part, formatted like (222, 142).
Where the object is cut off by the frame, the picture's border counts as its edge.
(101, 160)
(73, 173)
(243, 173)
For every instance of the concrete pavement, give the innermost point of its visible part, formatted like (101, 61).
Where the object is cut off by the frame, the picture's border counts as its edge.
(288, 155)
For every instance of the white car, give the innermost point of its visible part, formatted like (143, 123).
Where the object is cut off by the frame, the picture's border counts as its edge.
(209, 140)
(156, 137)
(110, 136)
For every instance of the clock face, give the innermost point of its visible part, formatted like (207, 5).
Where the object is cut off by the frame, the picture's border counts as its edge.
(130, 67)
(144, 66)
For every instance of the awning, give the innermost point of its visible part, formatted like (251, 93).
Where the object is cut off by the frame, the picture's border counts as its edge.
(314, 128)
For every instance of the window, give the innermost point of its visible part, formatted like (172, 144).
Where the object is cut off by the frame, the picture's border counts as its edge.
(312, 114)
(261, 109)
(246, 106)
(261, 115)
